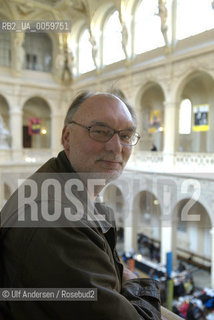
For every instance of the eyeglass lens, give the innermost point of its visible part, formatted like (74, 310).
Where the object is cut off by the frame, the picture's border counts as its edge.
(102, 133)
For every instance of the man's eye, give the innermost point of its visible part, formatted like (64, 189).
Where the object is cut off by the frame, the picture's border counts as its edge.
(101, 131)
(126, 136)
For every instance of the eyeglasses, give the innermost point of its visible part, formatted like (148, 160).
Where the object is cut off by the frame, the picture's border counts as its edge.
(104, 133)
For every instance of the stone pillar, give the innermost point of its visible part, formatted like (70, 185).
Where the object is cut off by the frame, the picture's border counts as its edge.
(166, 242)
(167, 195)
(57, 120)
(16, 132)
(212, 257)
(129, 244)
(171, 131)
(130, 232)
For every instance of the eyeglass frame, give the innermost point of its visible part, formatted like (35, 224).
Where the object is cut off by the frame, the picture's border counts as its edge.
(114, 131)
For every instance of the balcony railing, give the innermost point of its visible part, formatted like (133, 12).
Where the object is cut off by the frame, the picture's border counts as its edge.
(11, 156)
(177, 162)
(168, 315)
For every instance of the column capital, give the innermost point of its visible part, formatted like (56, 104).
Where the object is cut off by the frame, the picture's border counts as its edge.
(170, 104)
(16, 111)
(57, 114)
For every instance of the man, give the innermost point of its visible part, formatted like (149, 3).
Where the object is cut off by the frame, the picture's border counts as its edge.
(79, 251)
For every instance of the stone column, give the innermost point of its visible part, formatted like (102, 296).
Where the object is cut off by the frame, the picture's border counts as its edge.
(16, 132)
(171, 131)
(212, 257)
(166, 242)
(130, 241)
(167, 195)
(57, 120)
(130, 234)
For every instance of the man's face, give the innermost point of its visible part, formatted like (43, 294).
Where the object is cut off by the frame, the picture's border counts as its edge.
(104, 159)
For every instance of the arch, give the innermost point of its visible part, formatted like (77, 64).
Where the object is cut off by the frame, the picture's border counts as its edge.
(97, 23)
(77, 27)
(186, 77)
(146, 85)
(5, 136)
(112, 39)
(192, 236)
(197, 87)
(147, 215)
(36, 123)
(85, 52)
(8, 100)
(146, 202)
(39, 96)
(150, 105)
(202, 201)
(99, 17)
(7, 191)
(145, 18)
(4, 111)
(38, 52)
(113, 197)
(133, 6)
(73, 41)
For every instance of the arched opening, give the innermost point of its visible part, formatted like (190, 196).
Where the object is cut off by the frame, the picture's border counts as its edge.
(85, 62)
(36, 124)
(113, 198)
(147, 27)
(7, 191)
(38, 52)
(152, 118)
(112, 40)
(5, 141)
(147, 213)
(185, 117)
(197, 115)
(193, 238)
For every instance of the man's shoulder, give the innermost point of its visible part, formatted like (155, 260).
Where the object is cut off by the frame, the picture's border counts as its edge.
(57, 164)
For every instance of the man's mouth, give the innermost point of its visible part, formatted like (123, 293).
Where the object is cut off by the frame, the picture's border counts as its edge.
(111, 163)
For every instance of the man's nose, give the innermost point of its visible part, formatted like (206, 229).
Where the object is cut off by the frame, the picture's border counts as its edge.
(114, 144)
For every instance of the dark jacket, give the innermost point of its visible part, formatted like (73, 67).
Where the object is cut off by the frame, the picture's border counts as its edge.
(78, 255)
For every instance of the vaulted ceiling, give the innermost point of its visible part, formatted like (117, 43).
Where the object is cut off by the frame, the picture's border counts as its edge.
(51, 9)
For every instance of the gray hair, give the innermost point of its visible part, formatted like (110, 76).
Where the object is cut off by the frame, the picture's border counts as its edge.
(78, 101)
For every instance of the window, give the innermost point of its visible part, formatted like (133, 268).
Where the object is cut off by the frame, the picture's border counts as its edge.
(148, 33)
(5, 49)
(185, 117)
(38, 52)
(31, 61)
(36, 124)
(112, 40)
(194, 17)
(86, 62)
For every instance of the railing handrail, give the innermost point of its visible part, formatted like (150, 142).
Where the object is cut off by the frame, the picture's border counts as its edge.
(193, 254)
(168, 315)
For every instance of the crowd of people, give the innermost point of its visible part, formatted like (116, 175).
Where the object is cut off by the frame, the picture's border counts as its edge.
(197, 306)
(188, 302)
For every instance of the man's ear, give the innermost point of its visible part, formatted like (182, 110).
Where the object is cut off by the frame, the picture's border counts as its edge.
(66, 138)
